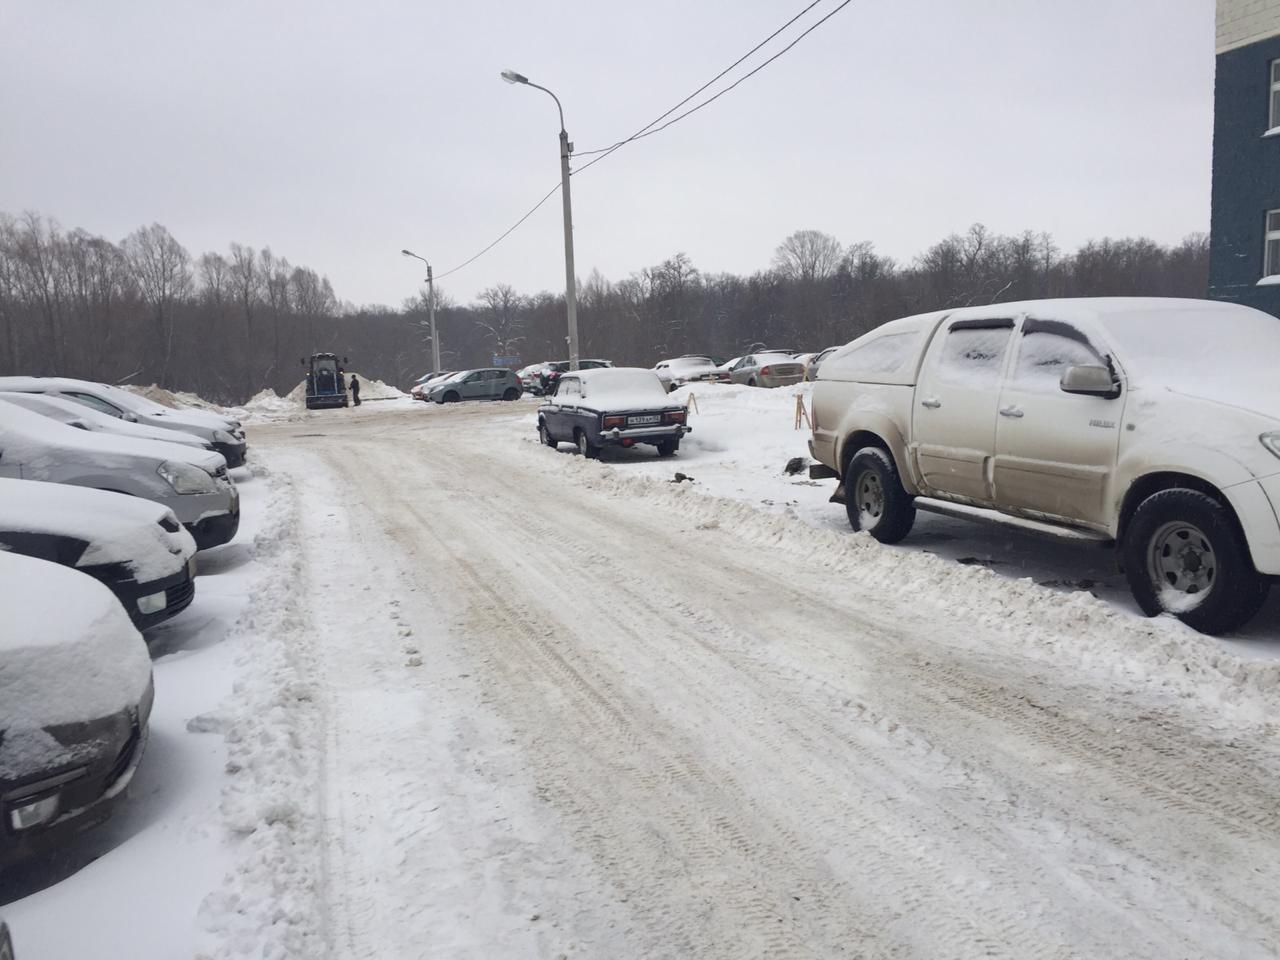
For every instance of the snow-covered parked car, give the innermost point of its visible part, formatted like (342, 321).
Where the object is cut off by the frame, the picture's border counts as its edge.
(815, 363)
(194, 484)
(617, 406)
(226, 435)
(420, 386)
(681, 370)
(767, 370)
(1150, 424)
(75, 700)
(135, 547)
(83, 417)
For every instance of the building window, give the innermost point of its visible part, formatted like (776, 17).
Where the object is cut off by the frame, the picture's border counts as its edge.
(1271, 253)
(1275, 95)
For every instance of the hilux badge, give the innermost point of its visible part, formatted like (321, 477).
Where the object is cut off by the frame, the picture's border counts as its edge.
(1104, 424)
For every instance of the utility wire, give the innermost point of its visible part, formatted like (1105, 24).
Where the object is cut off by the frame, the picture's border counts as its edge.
(511, 229)
(587, 153)
(645, 132)
(650, 128)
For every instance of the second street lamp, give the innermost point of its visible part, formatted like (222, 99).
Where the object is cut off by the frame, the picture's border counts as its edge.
(570, 281)
(431, 309)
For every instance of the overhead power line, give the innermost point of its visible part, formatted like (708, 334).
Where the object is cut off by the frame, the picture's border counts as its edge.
(652, 127)
(609, 149)
(647, 132)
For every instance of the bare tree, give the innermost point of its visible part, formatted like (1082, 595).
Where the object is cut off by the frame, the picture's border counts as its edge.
(162, 268)
(807, 255)
(502, 308)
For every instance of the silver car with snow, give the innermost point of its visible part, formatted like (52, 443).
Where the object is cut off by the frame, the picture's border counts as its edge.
(194, 484)
(84, 417)
(224, 433)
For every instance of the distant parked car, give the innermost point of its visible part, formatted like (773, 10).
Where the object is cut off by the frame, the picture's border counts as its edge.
(226, 434)
(83, 417)
(489, 383)
(811, 369)
(767, 370)
(681, 370)
(75, 701)
(423, 387)
(620, 406)
(135, 547)
(194, 484)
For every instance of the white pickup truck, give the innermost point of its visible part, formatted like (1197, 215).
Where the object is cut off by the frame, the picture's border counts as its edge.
(1152, 424)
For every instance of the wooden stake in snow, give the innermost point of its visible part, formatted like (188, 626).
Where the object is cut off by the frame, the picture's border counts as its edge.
(691, 402)
(802, 415)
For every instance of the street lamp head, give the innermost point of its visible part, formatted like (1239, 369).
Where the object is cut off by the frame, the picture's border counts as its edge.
(512, 77)
(408, 253)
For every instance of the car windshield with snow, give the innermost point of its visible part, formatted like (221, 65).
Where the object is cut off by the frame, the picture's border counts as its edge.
(225, 434)
(134, 546)
(75, 700)
(194, 484)
(620, 406)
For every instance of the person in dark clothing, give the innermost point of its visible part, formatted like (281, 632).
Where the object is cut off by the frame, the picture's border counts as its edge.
(355, 390)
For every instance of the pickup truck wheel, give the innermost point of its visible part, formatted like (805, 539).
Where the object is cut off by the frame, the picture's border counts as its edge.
(585, 446)
(874, 497)
(1183, 554)
(545, 435)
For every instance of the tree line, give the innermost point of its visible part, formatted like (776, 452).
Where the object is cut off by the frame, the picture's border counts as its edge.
(226, 325)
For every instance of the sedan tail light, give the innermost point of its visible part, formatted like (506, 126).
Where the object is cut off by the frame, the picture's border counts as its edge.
(765, 371)
(674, 416)
(611, 422)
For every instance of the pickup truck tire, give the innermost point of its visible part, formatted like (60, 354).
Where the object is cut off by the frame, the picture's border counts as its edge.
(874, 497)
(1183, 553)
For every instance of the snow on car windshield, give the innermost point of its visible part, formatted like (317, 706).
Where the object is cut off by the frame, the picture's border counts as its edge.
(1168, 348)
(685, 363)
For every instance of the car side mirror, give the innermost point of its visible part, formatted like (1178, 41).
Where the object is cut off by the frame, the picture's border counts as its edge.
(78, 424)
(1091, 380)
(128, 417)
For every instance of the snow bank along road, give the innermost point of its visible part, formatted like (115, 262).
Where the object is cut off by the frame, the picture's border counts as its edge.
(511, 703)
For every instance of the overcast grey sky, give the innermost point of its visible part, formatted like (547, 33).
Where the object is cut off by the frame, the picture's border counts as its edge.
(338, 133)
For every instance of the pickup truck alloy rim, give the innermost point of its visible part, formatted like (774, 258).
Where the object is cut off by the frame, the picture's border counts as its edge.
(1181, 558)
(870, 498)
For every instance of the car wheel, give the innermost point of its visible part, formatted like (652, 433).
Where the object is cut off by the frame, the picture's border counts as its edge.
(667, 448)
(452, 397)
(874, 496)
(511, 394)
(1184, 554)
(751, 382)
(585, 446)
(545, 435)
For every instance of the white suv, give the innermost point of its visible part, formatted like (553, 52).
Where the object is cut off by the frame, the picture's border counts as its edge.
(1153, 424)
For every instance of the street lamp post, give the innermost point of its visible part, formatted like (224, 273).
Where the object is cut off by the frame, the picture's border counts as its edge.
(570, 280)
(431, 309)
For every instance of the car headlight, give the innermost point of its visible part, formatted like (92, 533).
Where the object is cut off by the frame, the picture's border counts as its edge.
(1272, 442)
(221, 436)
(184, 478)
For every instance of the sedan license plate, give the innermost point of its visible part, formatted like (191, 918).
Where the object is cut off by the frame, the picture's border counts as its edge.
(645, 420)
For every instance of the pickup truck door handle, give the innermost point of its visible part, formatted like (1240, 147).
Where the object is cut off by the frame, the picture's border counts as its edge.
(931, 403)
(1010, 412)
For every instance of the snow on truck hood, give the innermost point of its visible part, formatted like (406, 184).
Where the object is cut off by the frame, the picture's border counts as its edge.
(31, 437)
(68, 652)
(117, 528)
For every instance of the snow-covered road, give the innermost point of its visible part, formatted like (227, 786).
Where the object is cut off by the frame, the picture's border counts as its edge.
(515, 703)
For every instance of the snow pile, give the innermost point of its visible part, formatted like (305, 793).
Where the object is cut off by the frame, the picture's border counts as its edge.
(68, 654)
(268, 906)
(371, 389)
(177, 399)
(267, 404)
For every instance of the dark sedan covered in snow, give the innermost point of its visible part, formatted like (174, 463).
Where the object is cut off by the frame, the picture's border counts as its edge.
(75, 699)
(619, 406)
(134, 546)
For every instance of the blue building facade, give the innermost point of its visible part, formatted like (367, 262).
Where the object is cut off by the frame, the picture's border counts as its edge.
(1244, 252)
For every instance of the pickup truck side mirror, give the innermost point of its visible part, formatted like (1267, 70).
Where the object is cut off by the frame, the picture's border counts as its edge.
(1090, 381)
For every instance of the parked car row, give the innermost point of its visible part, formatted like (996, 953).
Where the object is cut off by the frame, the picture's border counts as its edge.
(105, 499)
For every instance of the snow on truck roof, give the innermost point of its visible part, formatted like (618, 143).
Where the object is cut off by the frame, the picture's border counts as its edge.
(68, 652)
